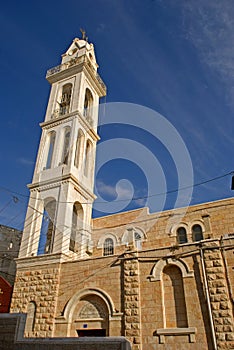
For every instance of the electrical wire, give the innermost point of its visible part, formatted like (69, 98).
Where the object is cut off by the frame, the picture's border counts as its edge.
(6, 205)
(133, 198)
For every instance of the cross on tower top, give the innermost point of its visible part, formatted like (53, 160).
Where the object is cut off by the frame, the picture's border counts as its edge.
(83, 32)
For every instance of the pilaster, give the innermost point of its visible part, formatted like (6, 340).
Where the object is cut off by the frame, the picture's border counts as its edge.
(132, 316)
(219, 298)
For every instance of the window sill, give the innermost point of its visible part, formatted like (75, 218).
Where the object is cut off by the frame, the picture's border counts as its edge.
(162, 332)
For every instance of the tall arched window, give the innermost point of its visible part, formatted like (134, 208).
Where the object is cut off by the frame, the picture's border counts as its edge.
(197, 233)
(65, 99)
(30, 320)
(79, 148)
(47, 227)
(50, 153)
(182, 235)
(87, 159)
(77, 225)
(174, 299)
(66, 144)
(88, 104)
(108, 247)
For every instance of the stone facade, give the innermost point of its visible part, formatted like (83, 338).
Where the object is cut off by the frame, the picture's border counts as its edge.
(39, 286)
(162, 280)
(160, 295)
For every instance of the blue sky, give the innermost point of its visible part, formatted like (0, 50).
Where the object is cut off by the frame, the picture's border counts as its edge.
(174, 57)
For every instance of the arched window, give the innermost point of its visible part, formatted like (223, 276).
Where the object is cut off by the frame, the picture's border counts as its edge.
(87, 159)
(197, 233)
(77, 225)
(30, 320)
(50, 153)
(79, 148)
(182, 235)
(108, 247)
(174, 299)
(66, 143)
(88, 104)
(137, 238)
(47, 228)
(65, 99)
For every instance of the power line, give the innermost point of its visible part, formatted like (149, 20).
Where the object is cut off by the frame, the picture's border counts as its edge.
(133, 198)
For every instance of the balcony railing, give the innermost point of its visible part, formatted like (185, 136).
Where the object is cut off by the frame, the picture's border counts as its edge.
(75, 62)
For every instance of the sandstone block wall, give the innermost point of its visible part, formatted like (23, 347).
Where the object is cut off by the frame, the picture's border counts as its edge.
(222, 308)
(125, 293)
(132, 306)
(38, 285)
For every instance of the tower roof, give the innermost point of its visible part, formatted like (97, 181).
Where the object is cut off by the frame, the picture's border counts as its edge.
(78, 48)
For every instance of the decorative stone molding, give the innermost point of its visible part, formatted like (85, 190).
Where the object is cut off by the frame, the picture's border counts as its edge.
(58, 121)
(174, 228)
(159, 266)
(104, 237)
(39, 260)
(69, 308)
(162, 332)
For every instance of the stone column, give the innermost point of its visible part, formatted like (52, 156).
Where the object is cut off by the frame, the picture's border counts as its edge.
(219, 298)
(132, 317)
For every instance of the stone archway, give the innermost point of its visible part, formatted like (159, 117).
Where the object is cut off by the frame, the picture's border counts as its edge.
(90, 317)
(89, 309)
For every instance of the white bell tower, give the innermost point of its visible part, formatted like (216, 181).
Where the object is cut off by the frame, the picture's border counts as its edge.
(58, 218)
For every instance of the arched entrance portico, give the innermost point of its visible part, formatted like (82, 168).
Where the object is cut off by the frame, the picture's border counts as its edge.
(90, 312)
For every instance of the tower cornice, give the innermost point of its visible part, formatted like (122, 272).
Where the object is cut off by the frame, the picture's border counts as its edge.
(76, 114)
(52, 183)
(75, 66)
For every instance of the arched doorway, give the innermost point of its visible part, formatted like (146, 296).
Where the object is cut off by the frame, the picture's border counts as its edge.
(90, 317)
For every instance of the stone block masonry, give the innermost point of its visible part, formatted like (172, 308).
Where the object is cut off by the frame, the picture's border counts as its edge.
(40, 287)
(132, 317)
(219, 298)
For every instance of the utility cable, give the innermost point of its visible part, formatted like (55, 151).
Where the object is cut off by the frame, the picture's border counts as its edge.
(133, 198)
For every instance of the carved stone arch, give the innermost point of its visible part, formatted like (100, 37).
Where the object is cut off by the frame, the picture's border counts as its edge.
(156, 274)
(196, 222)
(92, 307)
(174, 228)
(72, 303)
(141, 232)
(195, 225)
(104, 237)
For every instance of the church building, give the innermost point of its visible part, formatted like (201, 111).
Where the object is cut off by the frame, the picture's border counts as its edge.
(163, 280)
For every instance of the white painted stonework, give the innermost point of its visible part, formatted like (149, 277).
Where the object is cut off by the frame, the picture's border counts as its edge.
(64, 171)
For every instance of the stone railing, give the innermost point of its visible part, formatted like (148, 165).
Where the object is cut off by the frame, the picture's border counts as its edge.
(75, 62)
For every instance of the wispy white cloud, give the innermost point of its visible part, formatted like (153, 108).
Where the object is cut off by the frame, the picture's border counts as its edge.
(25, 161)
(209, 26)
(121, 190)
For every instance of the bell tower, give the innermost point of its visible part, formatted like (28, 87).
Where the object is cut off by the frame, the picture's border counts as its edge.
(59, 212)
